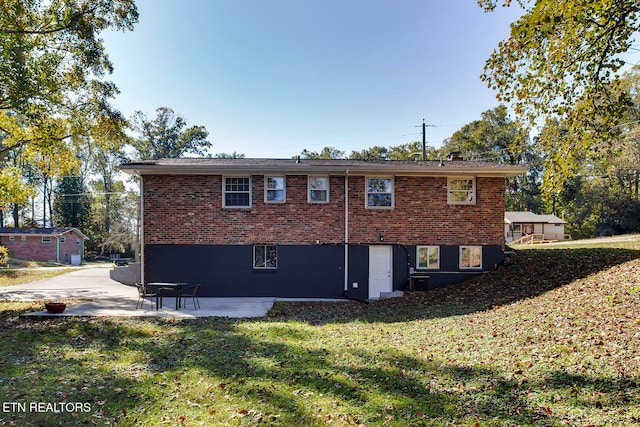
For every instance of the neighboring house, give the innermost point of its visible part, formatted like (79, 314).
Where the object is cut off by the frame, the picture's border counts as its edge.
(318, 228)
(541, 228)
(63, 245)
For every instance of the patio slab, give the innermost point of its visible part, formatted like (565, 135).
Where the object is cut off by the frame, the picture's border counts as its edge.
(209, 307)
(111, 298)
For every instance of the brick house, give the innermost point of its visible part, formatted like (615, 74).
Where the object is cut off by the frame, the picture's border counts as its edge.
(63, 245)
(319, 228)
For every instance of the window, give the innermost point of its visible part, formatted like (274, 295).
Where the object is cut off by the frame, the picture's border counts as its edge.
(517, 228)
(237, 192)
(470, 257)
(274, 189)
(63, 239)
(23, 238)
(11, 238)
(46, 239)
(318, 189)
(379, 192)
(78, 242)
(428, 257)
(461, 191)
(265, 257)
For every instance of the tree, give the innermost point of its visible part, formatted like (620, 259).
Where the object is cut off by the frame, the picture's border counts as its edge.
(327, 153)
(166, 136)
(51, 56)
(72, 205)
(562, 62)
(498, 138)
(52, 64)
(233, 155)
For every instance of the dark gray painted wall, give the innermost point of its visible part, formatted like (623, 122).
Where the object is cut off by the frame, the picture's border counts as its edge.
(304, 271)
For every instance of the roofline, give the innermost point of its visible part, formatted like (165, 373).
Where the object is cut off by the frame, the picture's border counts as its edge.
(17, 233)
(142, 169)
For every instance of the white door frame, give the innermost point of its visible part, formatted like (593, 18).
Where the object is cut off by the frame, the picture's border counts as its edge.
(380, 270)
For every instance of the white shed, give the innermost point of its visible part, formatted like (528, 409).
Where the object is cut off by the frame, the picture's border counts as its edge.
(539, 228)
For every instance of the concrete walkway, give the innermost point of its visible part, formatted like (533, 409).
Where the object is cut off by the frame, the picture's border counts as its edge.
(110, 298)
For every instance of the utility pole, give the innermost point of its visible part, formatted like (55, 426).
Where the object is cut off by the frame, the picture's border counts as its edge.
(424, 139)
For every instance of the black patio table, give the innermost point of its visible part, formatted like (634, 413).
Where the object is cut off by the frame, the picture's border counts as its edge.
(160, 286)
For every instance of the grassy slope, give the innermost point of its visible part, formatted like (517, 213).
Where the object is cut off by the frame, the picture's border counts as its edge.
(550, 339)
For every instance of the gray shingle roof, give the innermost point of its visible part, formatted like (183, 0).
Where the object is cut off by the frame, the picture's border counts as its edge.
(58, 231)
(304, 166)
(531, 218)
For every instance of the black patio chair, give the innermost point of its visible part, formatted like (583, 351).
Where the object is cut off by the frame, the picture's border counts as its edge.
(191, 292)
(143, 294)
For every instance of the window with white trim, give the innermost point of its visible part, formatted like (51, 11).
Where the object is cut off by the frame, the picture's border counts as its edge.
(470, 257)
(78, 242)
(11, 238)
(274, 189)
(236, 192)
(23, 238)
(318, 189)
(379, 192)
(63, 239)
(461, 191)
(46, 239)
(428, 257)
(265, 257)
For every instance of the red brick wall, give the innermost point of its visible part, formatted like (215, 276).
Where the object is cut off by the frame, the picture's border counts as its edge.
(33, 249)
(186, 209)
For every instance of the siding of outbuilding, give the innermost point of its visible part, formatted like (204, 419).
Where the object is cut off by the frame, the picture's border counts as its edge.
(33, 248)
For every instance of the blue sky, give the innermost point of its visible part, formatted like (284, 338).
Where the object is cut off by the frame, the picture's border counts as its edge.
(269, 78)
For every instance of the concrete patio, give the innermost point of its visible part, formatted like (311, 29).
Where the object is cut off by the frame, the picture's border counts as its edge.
(110, 298)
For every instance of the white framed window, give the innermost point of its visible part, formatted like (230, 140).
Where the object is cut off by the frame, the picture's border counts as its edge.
(265, 257)
(428, 257)
(470, 257)
(78, 242)
(11, 238)
(318, 189)
(379, 193)
(23, 238)
(517, 228)
(46, 239)
(274, 189)
(63, 239)
(461, 191)
(236, 192)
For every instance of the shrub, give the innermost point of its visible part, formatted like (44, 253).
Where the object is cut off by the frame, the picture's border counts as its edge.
(4, 256)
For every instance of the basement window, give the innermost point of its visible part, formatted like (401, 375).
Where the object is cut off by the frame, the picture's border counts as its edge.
(265, 257)
(428, 257)
(470, 257)
(46, 239)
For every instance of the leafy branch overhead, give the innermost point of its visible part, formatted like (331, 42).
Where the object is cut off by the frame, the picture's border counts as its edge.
(562, 61)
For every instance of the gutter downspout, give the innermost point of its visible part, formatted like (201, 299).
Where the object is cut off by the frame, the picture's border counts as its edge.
(57, 249)
(142, 230)
(346, 230)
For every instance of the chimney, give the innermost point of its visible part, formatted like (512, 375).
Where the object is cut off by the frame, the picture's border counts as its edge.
(455, 156)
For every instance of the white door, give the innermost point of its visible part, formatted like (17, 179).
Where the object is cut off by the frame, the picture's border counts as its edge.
(380, 270)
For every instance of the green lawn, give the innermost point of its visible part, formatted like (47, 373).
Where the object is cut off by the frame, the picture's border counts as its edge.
(551, 339)
(16, 276)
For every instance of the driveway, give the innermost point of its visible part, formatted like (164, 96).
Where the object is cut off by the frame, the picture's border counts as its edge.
(110, 298)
